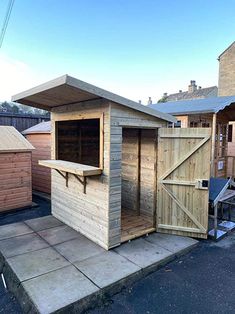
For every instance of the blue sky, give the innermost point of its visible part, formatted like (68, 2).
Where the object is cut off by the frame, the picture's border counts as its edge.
(134, 48)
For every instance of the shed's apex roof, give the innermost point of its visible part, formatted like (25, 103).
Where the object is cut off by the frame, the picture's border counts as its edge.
(43, 127)
(233, 43)
(68, 90)
(12, 141)
(207, 105)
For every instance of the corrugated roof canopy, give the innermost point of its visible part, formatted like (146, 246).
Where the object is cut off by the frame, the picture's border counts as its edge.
(196, 106)
(12, 141)
(43, 127)
(68, 90)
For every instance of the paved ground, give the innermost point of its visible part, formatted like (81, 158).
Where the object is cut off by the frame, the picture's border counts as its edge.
(42, 255)
(8, 303)
(202, 281)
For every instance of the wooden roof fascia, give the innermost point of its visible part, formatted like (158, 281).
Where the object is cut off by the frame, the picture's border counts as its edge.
(40, 88)
(91, 89)
(117, 99)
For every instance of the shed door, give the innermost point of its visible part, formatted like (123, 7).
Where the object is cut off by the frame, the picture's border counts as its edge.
(183, 177)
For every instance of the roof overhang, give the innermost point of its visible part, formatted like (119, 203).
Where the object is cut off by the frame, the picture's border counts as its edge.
(223, 105)
(67, 90)
(228, 109)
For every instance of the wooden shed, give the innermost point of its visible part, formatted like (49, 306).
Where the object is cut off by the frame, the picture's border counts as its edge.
(39, 136)
(15, 170)
(117, 173)
(215, 113)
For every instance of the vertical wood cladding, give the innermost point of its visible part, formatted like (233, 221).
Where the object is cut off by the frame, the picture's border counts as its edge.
(41, 176)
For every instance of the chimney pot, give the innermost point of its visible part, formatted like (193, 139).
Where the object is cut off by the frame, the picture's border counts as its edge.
(165, 95)
(180, 91)
(150, 101)
(139, 101)
(192, 82)
(192, 87)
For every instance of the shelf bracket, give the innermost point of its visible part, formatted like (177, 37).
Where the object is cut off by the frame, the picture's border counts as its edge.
(66, 176)
(83, 182)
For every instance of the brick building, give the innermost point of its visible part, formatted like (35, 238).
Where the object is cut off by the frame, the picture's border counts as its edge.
(193, 92)
(227, 72)
(227, 88)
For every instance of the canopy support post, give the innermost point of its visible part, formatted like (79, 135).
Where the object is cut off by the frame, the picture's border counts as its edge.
(213, 143)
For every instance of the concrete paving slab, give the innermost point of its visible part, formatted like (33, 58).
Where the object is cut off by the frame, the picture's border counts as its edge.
(58, 289)
(42, 223)
(13, 230)
(143, 253)
(59, 270)
(172, 243)
(21, 244)
(36, 263)
(106, 268)
(59, 234)
(78, 249)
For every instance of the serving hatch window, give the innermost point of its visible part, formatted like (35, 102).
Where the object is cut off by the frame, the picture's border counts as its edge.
(79, 141)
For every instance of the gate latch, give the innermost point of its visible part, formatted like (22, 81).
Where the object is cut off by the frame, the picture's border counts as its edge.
(202, 184)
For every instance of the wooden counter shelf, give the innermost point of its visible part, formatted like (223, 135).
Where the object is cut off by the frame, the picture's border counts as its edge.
(79, 171)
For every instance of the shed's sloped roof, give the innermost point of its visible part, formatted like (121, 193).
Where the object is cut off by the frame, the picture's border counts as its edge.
(199, 93)
(69, 90)
(12, 141)
(207, 105)
(43, 127)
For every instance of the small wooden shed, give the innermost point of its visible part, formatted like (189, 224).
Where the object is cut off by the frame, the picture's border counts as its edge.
(39, 136)
(15, 170)
(117, 173)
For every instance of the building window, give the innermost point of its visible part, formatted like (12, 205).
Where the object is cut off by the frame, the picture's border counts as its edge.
(176, 125)
(193, 124)
(230, 133)
(205, 125)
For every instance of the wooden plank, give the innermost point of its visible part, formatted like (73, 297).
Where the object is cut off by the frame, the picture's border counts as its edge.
(179, 228)
(213, 142)
(71, 167)
(187, 212)
(184, 158)
(182, 136)
(137, 124)
(101, 161)
(175, 182)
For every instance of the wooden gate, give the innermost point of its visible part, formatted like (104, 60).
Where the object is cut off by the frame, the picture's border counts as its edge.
(183, 179)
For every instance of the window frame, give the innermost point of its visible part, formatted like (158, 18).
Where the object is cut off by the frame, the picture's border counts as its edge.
(97, 116)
